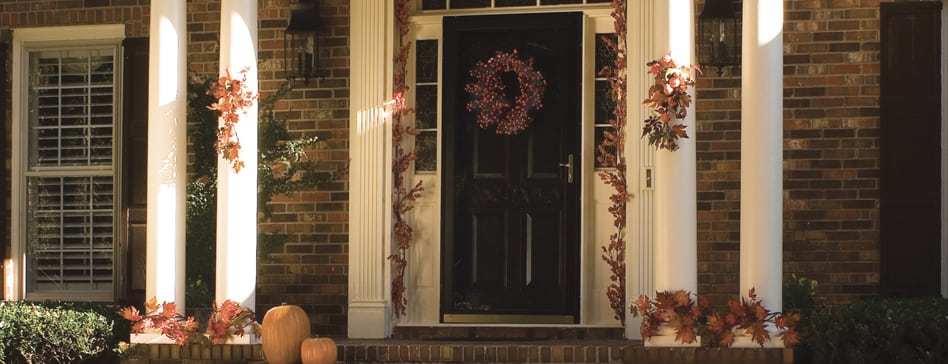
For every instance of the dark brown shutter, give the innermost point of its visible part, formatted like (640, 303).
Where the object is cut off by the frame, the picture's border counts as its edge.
(4, 144)
(910, 146)
(135, 165)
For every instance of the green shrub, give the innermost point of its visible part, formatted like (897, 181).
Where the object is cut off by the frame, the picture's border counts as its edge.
(51, 333)
(883, 331)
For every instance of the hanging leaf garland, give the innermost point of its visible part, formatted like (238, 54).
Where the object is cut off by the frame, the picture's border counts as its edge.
(668, 99)
(492, 103)
(403, 194)
(233, 100)
(612, 156)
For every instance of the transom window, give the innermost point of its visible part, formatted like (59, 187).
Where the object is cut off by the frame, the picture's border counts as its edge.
(480, 4)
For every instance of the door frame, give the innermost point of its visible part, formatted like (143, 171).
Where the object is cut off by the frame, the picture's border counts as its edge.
(423, 278)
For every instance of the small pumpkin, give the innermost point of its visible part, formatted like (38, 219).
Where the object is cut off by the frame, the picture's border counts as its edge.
(318, 350)
(283, 329)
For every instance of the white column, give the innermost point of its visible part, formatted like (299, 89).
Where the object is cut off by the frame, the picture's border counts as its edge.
(237, 191)
(167, 152)
(675, 249)
(762, 152)
(370, 168)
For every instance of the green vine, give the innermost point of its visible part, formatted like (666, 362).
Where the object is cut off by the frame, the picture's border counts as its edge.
(283, 169)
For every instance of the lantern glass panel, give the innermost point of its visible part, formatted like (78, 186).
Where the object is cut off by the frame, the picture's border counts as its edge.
(301, 57)
(718, 42)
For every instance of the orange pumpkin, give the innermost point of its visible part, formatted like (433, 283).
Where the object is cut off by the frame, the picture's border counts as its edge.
(318, 350)
(283, 329)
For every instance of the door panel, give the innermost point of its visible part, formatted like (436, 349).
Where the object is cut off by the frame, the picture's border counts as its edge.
(511, 231)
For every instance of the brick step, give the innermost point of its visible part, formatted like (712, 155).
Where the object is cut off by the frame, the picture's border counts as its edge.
(547, 351)
(436, 351)
(516, 333)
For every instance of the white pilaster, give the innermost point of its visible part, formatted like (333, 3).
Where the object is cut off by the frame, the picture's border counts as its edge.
(372, 30)
(237, 191)
(167, 153)
(640, 42)
(762, 152)
(675, 249)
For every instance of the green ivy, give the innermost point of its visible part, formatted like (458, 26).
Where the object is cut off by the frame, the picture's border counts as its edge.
(283, 169)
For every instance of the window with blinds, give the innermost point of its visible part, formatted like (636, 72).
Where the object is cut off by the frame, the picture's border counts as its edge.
(70, 170)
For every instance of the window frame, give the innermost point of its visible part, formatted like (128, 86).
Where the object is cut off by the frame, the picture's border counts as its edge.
(26, 40)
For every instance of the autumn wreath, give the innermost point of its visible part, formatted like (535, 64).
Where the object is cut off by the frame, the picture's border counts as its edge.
(493, 104)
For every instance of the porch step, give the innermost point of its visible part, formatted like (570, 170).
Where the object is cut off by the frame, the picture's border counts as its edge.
(439, 351)
(516, 333)
(547, 351)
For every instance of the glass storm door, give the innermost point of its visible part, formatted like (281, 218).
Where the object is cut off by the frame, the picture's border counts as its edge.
(511, 232)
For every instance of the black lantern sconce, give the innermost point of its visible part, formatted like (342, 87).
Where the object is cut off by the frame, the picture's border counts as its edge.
(719, 41)
(301, 41)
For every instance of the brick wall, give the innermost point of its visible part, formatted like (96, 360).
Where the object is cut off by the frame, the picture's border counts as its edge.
(831, 155)
(33, 13)
(311, 270)
(830, 138)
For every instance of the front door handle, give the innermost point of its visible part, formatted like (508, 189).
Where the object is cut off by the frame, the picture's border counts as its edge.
(569, 168)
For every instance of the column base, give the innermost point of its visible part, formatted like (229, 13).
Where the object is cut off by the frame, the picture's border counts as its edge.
(149, 339)
(155, 338)
(370, 320)
(746, 341)
(669, 342)
(665, 337)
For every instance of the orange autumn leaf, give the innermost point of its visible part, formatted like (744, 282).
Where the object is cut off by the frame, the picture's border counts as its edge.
(151, 305)
(130, 313)
(759, 334)
(169, 309)
(686, 329)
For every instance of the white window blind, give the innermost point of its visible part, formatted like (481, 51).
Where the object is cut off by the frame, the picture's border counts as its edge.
(70, 172)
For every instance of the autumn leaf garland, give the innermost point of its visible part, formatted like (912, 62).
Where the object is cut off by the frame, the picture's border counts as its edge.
(612, 156)
(680, 312)
(668, 100)
(234, 98)
(404, 194)
(225, 321)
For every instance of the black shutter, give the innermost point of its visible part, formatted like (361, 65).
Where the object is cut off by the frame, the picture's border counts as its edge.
(134, 166)
(910, 147)
(4, 144)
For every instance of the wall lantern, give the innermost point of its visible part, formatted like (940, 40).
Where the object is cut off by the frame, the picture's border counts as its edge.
(719, 41)
(301, 41)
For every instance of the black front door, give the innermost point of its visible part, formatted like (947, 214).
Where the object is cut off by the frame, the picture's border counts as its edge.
(511, 202)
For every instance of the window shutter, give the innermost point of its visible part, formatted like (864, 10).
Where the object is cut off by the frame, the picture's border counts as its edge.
(910, 149)
(5, 214)
(134, 167)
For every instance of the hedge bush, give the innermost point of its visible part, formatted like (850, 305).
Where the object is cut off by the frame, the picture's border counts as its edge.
(883, 331)
(54, 332)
